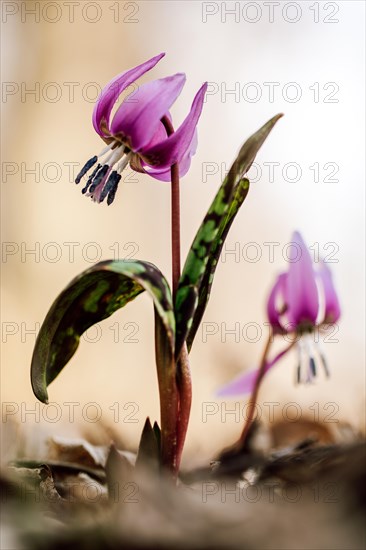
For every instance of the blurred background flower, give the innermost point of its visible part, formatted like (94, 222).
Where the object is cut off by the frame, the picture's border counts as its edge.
(303, 59)
(301, 301)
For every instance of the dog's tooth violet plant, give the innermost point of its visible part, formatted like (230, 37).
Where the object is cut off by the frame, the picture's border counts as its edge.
(142, 134)
(302, 301)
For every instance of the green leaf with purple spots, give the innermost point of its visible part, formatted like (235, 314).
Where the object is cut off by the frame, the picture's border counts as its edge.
(240, 194)
(91, 297)
(199, 269)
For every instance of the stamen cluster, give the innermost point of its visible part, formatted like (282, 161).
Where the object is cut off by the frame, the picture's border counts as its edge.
(103, 176)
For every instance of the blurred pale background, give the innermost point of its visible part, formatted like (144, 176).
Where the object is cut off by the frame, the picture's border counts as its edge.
(306, 62)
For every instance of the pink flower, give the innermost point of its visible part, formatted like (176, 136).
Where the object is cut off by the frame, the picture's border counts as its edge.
(135, 135)
(301, 300)
(294, 304)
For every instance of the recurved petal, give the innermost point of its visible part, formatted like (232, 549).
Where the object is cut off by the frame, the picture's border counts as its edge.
(136, 162)
(276, 303)
(184, 165)
(245, 382)
(242, 385)
(112, 91)
(174, 148)
(332, 310)
(301, 293)
(160, 133)
(138, 118)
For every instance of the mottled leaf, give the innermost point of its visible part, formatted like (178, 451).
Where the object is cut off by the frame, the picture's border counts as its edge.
(240, 194)
(169, 396)
(198, 271)
(184, 383)
(91, 297)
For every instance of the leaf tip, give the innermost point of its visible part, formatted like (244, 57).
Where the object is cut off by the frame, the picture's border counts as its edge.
(43, 397)
(274, 120)
(40, 392)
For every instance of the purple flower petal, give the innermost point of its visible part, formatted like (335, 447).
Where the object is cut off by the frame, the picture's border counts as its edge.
(245, 383)
(274, 312)
(184, 165)
(174, 148)
(301, 291)
(332, 310)
(160, 132)
(138, 118)
(240, 386)
(112, 91)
